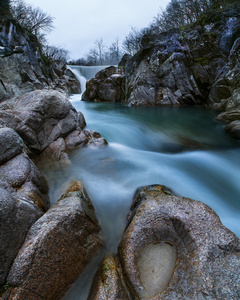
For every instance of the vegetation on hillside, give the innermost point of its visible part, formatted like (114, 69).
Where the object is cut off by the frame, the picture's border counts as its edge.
(36, 23)
(178, 14)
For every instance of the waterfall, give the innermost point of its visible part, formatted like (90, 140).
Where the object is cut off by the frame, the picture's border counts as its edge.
(85, 73)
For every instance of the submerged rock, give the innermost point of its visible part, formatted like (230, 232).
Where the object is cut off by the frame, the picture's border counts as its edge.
(172, 248)
(57, 248)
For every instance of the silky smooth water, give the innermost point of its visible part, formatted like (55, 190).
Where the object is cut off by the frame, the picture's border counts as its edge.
(182, 148)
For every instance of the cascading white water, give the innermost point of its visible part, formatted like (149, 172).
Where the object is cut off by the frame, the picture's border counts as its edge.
(182, 148)
(85, 73)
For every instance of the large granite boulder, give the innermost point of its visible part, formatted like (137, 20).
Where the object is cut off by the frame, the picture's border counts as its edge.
(57, 248)
(107, 85)
(48, 124)
(40, 117)
(173, 248)
(23, 194)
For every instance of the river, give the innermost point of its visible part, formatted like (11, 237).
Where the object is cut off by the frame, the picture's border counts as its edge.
(183, 148)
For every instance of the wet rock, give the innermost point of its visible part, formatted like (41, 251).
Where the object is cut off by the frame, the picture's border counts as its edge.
(16, 219)
(107, 283)
(94, 139)
(23, 194)
(56, 151)
(40, 117)
(107, 85)
(233, 129)
(177, 248)
(10, 144)
(57, 248)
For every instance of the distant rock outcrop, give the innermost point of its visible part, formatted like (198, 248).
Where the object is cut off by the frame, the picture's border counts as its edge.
(107, 85)
(196, 65)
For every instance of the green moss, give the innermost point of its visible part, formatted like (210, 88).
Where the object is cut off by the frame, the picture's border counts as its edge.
(201, 61)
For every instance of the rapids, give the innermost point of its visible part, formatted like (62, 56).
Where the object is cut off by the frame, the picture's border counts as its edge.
(183, 148)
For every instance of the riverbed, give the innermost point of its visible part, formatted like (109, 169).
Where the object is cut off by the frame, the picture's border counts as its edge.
(183, 148)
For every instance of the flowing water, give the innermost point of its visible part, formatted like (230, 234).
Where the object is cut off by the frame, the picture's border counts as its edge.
(84, 73)
(182, 148)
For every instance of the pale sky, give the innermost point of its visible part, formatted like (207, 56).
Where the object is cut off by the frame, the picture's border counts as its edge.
(79, 23)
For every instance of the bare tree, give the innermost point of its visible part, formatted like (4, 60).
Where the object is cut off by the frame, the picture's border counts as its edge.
(32, 19)
(115, 52)
(93, 56)
(55, 54)
(100, 50)
(132, 42)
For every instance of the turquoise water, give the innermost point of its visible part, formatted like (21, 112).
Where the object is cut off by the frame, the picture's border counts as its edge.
(182, 148)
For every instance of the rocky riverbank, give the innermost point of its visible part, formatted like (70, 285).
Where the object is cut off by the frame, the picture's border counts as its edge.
(196, 65)
(41, 123)
(24, 68)
(172, 247)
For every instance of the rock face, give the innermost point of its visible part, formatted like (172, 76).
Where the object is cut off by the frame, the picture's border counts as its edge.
(57, 248)
(175, 248)
(180, 66)
(108, 85)
(226, 92)
(22, 67)
(198, 65)
(23, 194)
(45, 119)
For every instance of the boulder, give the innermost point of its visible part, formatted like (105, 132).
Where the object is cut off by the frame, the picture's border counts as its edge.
(10, 144)
(48, 124)
(107, 85)
(177, 248)
(41, 117)
(57, 248)
(23, 194)
(172, 248)
(107, 284)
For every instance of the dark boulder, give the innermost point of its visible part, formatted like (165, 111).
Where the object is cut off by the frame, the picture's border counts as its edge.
(107, 85)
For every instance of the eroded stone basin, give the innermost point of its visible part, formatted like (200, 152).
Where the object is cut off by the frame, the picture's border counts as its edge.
(156, 263)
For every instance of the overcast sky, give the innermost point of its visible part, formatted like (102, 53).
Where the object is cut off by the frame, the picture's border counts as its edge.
(78, 23)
